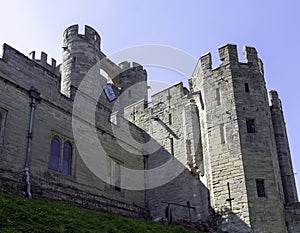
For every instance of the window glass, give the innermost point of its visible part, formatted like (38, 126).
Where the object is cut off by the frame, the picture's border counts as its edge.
(67, 158)
(55, 154)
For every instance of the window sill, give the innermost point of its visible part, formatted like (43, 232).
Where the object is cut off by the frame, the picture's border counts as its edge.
(58, 175)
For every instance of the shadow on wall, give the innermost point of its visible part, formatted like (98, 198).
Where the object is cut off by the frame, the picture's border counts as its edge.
(186, 200)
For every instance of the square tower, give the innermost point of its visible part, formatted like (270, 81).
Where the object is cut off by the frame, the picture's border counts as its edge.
(239, 148)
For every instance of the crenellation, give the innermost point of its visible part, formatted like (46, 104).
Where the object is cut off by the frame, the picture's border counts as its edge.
(250, 55)
(261, 66)
(206, 61)
(276, 103)
(127, 65)
(228, 54)
(43, 62)
(90, 36)
(231, 145)
(44, 57)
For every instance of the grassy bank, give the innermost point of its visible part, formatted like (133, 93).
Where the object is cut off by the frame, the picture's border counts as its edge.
(20, 214)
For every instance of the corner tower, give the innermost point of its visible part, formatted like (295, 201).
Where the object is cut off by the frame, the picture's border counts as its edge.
(240, 157)
(284, 155)
(80, 53)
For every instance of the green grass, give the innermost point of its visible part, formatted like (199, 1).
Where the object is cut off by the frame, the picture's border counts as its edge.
(20, 214)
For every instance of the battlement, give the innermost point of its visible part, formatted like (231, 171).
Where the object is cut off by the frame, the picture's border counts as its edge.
(43, 62)
(275, 101)
(90, 36)
(127, 65)
(228, 55)
(169, 94)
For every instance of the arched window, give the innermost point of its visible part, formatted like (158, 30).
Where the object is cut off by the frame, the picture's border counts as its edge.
(55, 153)
(67, 158)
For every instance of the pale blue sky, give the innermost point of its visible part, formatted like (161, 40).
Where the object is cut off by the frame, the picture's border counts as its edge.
(194, 26)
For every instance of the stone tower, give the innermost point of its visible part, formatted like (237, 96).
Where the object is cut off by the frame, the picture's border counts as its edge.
(239, 149)
(132, 83)
(284, 156)
(80, 53)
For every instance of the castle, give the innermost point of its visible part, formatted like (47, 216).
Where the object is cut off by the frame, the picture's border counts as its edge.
(215, 154)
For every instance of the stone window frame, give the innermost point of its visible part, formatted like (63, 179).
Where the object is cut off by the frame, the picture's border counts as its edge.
(3, 116)
(63, 141)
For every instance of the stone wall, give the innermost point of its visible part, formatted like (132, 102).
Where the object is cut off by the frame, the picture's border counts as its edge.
(59, 190)
(236, 158)
(173, 122)
(223, 166)
(53, 116)
(217, 157)
(293, 218)
(283, 150)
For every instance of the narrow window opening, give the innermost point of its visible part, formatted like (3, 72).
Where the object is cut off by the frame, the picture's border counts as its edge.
(250, 125)
(246, 87)
(172, 146)
(260, 186)
(222, 134)
(170, 119)
(188, 146)
(218, 96)
(74, 59)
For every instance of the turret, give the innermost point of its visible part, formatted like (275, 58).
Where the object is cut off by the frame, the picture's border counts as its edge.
(282, 145)
(80, 53)
(132, 83)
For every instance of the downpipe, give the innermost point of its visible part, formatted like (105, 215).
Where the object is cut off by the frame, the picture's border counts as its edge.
(34, 96)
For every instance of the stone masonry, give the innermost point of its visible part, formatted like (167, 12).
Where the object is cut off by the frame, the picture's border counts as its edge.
(229, 147)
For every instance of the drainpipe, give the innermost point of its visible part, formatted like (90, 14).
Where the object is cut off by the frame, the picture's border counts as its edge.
(34, 95)
(146, 156)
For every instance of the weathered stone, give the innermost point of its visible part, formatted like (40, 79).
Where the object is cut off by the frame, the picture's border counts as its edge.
(231, 149)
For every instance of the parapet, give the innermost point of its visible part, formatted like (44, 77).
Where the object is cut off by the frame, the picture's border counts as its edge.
(250, 55)
(125, 65)
(276, 102)
(205, 61)
(90, 35)
(43, 62)
(228, 55)
(131, 73)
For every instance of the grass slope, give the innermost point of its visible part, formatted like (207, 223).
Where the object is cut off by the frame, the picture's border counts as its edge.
(20, 214)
